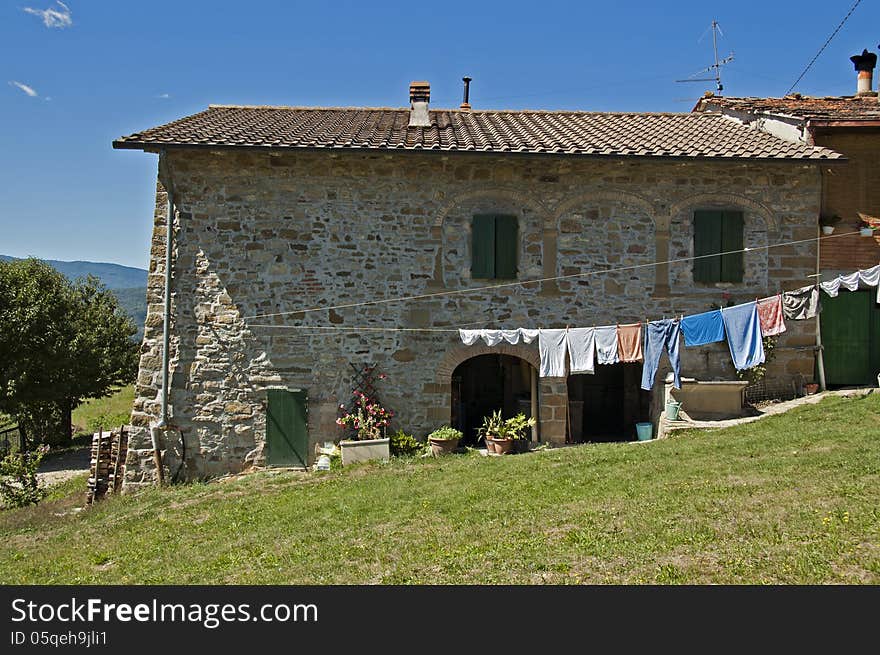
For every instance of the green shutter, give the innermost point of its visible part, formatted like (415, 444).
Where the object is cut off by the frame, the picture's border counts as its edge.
(732, 239)
(707, 241)
(506, 247)
(483, 247)
(287, 428)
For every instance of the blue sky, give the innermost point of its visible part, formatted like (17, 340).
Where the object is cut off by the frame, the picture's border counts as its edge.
(79, 74)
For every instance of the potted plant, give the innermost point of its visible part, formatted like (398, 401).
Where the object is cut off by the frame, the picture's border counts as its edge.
(444, 440)
(516, 428)
(865, 228)
(827, 223)
(494, 431)
(369, 419)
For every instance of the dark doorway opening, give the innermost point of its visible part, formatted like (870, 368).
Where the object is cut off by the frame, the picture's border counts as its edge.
(606, 406)
(486, 383)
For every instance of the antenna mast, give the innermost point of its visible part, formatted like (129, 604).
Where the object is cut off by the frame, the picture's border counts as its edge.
(716, 67)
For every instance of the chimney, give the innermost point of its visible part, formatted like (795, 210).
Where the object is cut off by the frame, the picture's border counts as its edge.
(419, 95)
(465, 105)
(864, 64)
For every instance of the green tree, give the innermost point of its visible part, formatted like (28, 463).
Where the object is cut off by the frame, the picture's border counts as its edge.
(60, 343)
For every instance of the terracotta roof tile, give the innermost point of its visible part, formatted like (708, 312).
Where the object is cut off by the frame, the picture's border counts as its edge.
(700, 135)
(829, 108)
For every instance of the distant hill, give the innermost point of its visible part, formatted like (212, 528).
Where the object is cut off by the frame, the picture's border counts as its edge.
(128, 284)
(114, 276)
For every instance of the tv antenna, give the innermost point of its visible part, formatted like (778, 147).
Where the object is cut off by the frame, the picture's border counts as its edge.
(716, 67)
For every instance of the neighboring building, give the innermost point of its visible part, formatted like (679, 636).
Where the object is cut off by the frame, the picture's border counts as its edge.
(285, 209)
(849, 125)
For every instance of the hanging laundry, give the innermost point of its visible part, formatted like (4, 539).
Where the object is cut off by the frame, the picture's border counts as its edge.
(494, 337)
(870, 276)
(744, 335)
(802, 303)
(831, 287)
(770, 315)
(606, 345)
(850, 282)
(582, 350)
(470, 337)
(661, 334)
(513, 337)
(704, 328)
(629, 342)
(528, 336)
(552, 345)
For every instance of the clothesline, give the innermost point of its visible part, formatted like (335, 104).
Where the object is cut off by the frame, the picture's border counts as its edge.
(743, 326)
(502, 285)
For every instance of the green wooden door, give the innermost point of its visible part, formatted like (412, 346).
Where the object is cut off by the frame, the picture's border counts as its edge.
(287, 432)
(851, 337)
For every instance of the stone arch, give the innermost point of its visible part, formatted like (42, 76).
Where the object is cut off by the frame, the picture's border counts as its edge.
(589, 196)
(461, 354)
(501, 193)
(730, 199)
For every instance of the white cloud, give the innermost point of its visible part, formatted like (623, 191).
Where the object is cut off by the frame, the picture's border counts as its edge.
(58, 16)
(164, 96)
(24, 87)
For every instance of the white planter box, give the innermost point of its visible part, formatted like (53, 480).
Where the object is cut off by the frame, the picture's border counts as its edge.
(362, 451)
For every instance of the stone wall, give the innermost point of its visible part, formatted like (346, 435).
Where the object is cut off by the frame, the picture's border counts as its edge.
(264, 233)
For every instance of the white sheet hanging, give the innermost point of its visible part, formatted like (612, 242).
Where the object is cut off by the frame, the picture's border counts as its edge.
(469, 337)
(831, 287)
(582, 350)
(850, 282)
(553, 347)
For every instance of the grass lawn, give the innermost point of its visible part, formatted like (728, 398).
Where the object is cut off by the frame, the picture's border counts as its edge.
(793, 498)
(112, 411)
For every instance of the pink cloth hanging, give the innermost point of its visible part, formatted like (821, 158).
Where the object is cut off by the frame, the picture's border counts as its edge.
(629, 342)
(770, 315)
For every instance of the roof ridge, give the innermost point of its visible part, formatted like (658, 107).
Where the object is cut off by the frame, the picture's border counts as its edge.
(456, 110)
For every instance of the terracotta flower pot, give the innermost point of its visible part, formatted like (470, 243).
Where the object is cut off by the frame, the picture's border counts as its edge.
(442, 446)
(502, 446)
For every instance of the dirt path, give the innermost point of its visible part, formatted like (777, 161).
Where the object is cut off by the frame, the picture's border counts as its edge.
(59, 468)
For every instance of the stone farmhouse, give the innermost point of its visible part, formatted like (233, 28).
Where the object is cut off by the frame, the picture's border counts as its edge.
(285, 218)
(850, 125)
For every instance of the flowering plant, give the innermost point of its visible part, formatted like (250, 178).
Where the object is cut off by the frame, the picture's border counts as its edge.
(368, 417)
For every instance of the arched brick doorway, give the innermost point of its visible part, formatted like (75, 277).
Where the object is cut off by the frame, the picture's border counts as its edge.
(485, 383)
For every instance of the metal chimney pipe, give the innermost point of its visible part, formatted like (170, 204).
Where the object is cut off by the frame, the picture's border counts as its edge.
(864, 65)
(467, 88)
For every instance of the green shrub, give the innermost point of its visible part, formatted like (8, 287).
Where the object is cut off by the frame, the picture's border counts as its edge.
(445, 433)
(19, 485)
(405, 444)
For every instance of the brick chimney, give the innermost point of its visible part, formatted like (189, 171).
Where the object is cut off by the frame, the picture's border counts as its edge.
(419, 96)
(865, 64)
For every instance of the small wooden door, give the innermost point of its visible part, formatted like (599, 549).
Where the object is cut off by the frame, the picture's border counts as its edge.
(287, 432)
(851, 338)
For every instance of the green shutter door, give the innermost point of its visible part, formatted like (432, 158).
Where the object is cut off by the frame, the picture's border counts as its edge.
(707, 241)
(287, 433)
(849, 343)
(732, 239)
(483, 247)
(506, 247)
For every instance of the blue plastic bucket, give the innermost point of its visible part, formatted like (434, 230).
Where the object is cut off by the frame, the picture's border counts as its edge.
(672, 410)
(644, 431)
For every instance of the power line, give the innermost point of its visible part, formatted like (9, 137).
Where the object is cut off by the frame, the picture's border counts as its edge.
(518, 283)
(833, 34)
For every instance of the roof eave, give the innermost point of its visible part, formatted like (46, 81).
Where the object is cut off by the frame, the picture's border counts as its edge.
(154, 147)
